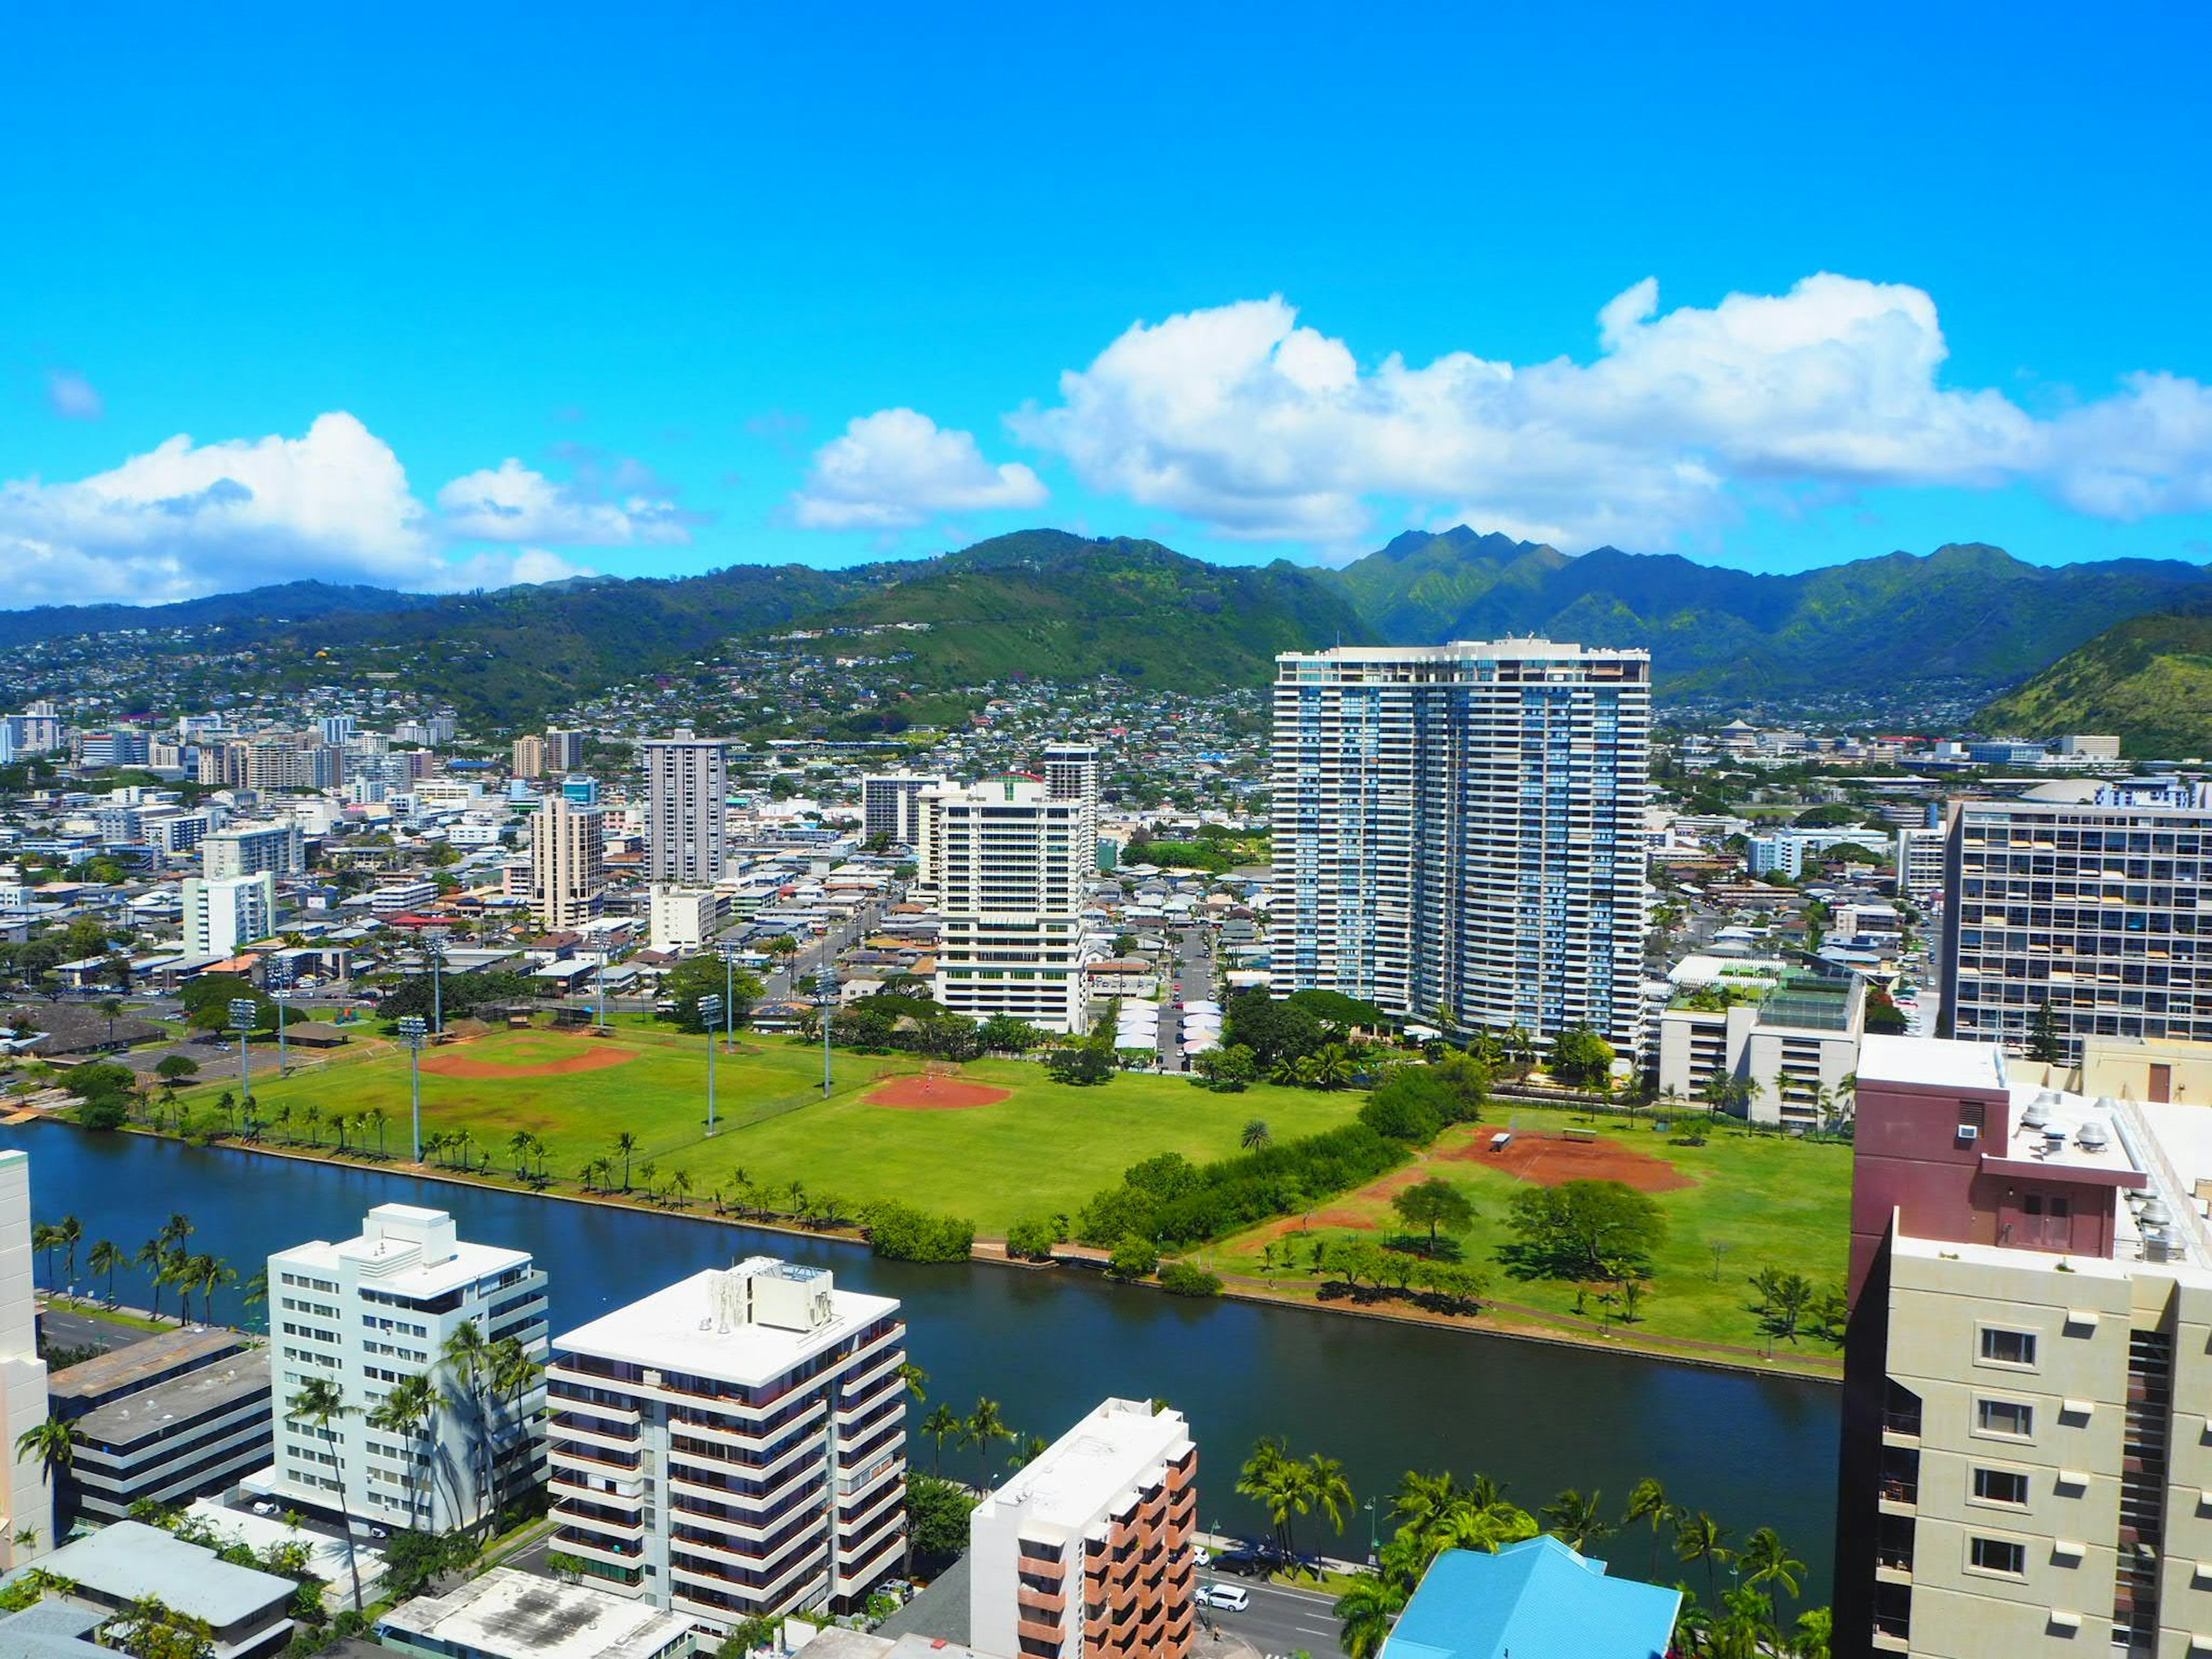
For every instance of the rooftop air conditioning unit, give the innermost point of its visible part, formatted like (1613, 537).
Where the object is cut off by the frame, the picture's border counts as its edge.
(1969, 1132)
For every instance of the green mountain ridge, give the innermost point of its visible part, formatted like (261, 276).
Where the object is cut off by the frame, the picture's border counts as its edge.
(2149, 680)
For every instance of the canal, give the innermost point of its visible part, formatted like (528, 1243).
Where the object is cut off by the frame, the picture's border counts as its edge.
(1384, 1398)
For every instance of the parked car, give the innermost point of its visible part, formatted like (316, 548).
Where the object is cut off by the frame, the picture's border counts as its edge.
(1229, 1598)
(1243, 1563)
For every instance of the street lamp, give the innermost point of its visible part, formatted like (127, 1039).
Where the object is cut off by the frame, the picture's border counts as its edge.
(243, 1012)
(1370, 1507)
(412, 1032)
(710, 1009)
(280, 998)
(434, 951)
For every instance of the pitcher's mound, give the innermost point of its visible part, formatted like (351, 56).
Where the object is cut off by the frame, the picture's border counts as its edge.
(933, 1094)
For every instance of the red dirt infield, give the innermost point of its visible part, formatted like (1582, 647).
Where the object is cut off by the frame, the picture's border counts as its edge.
(933, 1094)
(1551, 1161)
(594, 1058)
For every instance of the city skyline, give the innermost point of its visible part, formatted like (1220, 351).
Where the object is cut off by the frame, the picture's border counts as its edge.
(393, 355)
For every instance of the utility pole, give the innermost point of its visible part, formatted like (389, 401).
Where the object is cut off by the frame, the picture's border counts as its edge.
(412, 1033)
(825, 985)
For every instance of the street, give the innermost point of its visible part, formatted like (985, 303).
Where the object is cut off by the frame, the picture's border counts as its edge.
(1279, 1621)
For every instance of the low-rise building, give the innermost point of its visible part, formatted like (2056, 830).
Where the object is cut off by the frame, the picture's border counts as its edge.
(248, 1611)
(1535, 1599)
(507, 1615)
(1796, 1039)
(1086, 1550)
(181, 1413)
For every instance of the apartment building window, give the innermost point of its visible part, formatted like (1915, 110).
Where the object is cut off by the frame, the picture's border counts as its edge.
(2003, 1347)
(1999, 1555)
(2006, 1486)
(2010, 1417)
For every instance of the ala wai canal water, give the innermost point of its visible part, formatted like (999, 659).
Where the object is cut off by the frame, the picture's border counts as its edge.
(1383, 1397)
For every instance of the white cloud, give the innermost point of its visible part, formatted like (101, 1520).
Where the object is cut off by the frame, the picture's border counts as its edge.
(1240, 417)
(188, 518)
(72, 397)
(894, 468)
(512, 503)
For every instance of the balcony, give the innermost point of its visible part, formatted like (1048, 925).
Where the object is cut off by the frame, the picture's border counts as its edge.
(1900, 1496)
(1892, 1566)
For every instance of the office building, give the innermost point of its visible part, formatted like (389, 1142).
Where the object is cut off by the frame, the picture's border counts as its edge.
(222, 916)
(337, 730)
(890, 806)
(682, 918)
(1458, 831)
(735, 1444)
(1920, 864)
(687, 786)
(564, 751)
(248, 849)
(583, 790)
(366, 1313)
(1086, 1550)
(568, 861)
(1538, 1598)
(163, 1421)
(2092, 912)
(117, 745)
(529, 756)
(1001, 865)
(29, 1497)
(2028, 1374)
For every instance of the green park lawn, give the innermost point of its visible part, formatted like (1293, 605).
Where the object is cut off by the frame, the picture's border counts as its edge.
(1046, 1149)
(1766, 1200)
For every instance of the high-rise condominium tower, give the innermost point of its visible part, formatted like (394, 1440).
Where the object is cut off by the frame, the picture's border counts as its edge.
(568, 868)
(1070, 773)
(687, 781)
(1001, 864)
(1458, 831)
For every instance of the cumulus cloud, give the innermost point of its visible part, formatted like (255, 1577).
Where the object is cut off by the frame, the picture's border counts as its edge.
(186, 519)
(894, 468)
(1261, 426)
(72, 397)
(514, 503)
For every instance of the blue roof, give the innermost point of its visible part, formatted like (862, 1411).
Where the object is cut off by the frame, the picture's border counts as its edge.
(1537, 1600)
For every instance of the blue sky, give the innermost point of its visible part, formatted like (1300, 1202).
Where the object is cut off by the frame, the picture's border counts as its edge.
(437, 295)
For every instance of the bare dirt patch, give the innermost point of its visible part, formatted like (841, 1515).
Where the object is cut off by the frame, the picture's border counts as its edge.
(1550, 1160)
(588, 1057)
(934, 1094)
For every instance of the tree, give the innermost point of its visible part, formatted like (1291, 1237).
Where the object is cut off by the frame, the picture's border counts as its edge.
(916, 1380)
(320, 1403)
(625, 1144)
(1580, 1055)
(1436, 1204)
(1765, 1559)
(414, 1561)
(984, 1425)
(1256, 1135)
(150, 1629)
(468, 1363)
(936, 1517)
(1576, 1518)
(1698, 1537)
(407, 1410)
(2044, 1042)
(1035, 1237)
(1587, 1229)
(943, 1424)
(705, 975)
(68, 1235)
(1365, 1612)
(1648, 1503)
(173, 1069)
(53, 1442)
(105, 1257)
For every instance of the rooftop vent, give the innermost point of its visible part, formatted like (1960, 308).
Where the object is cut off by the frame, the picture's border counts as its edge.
(2091, 1137)
(2039, 1111)
(2156, 1214)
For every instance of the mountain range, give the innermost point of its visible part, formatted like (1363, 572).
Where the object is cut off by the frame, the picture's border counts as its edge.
(2149, 680)
(1967, 620)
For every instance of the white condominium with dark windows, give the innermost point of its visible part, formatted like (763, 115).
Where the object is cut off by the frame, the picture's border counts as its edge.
(1458, 831)
(734, 1445)
(687, 786)
(1003, 863)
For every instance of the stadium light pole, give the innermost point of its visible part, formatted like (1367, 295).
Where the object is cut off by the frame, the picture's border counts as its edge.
(243, 1011)
(730, 954)
(434, 951)
(412, 1033)
(710, 1010)
(280, 998)
(825, 985)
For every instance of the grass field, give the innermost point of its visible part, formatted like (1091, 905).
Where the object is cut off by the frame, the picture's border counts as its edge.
(1046, 1148)
(1767, 1201)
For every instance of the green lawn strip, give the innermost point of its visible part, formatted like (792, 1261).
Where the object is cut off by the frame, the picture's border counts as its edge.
(87, 1310)
(1773, 1201)
(1046, 1149)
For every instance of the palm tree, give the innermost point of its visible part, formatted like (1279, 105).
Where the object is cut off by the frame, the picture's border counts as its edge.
(511, 1371)
(1028, 1448)
(1647, 1502)
(154, 1255)
(320, 1403)
(53, 1442)
(1366, 1611)
(1698, 1537)
(468, 1361)
(71, 1231)
(984, 1424)
(212, 1273)
(796, 1189)
(1765, 1559)
(377, 1116)
(916, 1379)
(518, 1144)
(1256, 1135)
(407, 1410)
(943, 1424)
(625, 1144)
(1328, 1490)
(112, 1008)
(1422, 1499)
(45, 1239)
(1577, 1519)
(105, 1257)
(256, 1291)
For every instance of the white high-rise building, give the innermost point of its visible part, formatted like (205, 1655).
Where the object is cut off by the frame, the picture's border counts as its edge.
(687, 785)
(30, 1496)
(221, 916)
(247, 849)
(1458, 830)
(568, 848)
(734, 1445)
(365, 1313)
(682, 918)
(1920, 864)
(890, 805)
(1002, 865)
(1070, 773)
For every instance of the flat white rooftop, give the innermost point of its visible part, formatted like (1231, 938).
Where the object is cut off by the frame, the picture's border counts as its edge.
(409, 1251)
(1935, 1062)
(506, 1613)
(1504, 650)
(686, 1328)
(1089, 1469)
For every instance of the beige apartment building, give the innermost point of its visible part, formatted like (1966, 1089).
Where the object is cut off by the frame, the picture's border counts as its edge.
(1002, 864)
(567, 846)
(2027, 1465)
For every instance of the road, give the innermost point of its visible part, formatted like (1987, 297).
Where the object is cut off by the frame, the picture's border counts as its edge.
(62, 1329)
(811, 957)
(1280, 1621)
(1191, 976)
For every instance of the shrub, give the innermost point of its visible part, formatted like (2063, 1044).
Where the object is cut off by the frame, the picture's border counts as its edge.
(1174, 1202)
(1133, 1257)
(1034, 1237)
(1180, 1279)
(900, 1232)
(104, 1112)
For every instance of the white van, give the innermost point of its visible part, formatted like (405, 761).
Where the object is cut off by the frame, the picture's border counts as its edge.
(1230, 1598)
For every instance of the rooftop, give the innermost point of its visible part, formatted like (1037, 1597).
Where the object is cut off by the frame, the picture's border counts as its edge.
(1088, 1469)
(508, 1612)
(126, 1561)
(410, 1251)
(1537, 1600)
(152, 1411)
(711, 1325)
(136, 1364)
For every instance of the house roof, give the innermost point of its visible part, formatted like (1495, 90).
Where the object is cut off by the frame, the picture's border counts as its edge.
(1537, 1600)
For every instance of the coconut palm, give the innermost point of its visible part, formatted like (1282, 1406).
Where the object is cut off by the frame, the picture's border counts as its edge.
(53, 1442)
(1328, 1489)
(1765, 1559)
(45, 1239)
(1028, 1447)
(467, 1361)
(407, 1410)
(1577, 1519)
(943, 1424)
(916, 1379)
(320, 1403)
(1647, 1502)
(105, 1257)
(68, 1235)
(1365, 1613)
(1422, 1499)
(154, 1255)
(986, 1423)
(1698, 1537)
(625, 1144)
